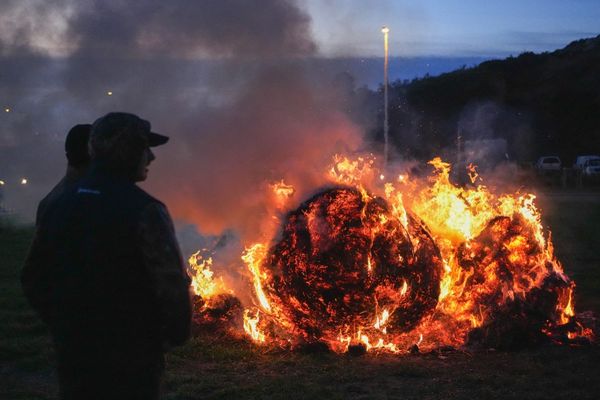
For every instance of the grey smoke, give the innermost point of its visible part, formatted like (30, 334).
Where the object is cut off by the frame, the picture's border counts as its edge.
(225, 79)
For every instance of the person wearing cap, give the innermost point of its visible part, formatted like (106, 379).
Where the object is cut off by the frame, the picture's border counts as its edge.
(78, 161)
(106, 272)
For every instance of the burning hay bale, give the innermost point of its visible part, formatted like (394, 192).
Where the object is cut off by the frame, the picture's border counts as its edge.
(355, 272)
(519, 293)
(343, 259)
(504, 262)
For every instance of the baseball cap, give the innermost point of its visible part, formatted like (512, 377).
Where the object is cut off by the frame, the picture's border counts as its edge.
(116, 124)
(118, 139)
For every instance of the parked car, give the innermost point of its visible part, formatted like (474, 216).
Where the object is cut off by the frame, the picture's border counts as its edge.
(581, 160)
(591, 168)
(548, 164)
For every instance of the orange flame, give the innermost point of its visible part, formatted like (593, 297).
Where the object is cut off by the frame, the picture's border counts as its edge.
(251, 326)
(203, 282)
(282, 192)
(253, 257)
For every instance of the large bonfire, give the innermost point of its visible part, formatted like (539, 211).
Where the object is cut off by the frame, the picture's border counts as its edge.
(394, 264)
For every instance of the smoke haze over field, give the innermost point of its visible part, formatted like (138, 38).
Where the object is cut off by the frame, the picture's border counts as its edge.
(247, 117)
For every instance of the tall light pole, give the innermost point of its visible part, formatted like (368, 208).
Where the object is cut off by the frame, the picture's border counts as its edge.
(386, 128)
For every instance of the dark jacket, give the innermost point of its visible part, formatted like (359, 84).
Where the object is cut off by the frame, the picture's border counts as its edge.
(66, 184)
(105, 272)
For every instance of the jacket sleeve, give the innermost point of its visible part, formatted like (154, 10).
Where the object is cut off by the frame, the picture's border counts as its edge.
(36, 277)
(162, 258)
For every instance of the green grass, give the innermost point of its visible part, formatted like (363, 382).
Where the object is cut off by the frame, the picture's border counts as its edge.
(216, 367)
(553, 372)
(26, 354)
(575, 226)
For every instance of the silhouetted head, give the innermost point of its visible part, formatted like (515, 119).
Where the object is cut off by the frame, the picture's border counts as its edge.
(122, 141)
(76, 146)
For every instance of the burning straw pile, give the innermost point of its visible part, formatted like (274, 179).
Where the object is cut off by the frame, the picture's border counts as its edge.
(349, 267)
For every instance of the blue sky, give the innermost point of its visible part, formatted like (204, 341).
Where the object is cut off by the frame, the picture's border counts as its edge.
(450, 27)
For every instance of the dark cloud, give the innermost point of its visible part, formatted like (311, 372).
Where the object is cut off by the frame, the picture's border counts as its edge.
(122, 28)
(233, 28)
(27, 26)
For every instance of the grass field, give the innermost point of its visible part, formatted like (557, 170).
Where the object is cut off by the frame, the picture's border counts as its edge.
(220, 368)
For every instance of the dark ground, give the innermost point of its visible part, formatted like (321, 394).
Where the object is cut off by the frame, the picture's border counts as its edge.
(219, 368)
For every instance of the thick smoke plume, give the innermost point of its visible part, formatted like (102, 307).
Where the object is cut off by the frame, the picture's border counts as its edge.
(224, 79)
(278, 128)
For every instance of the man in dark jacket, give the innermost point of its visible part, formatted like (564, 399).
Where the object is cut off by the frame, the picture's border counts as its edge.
(78, 161)
(105, 271)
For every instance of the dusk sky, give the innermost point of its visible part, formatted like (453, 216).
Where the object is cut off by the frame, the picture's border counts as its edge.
(451, 27)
